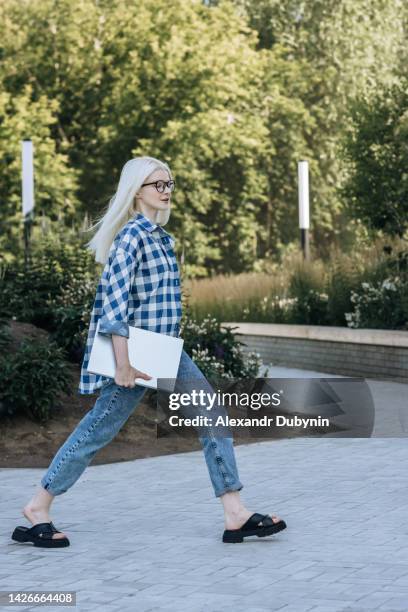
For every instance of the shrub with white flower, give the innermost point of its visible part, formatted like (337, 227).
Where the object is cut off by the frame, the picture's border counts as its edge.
(208, 363)
(310, 307)
(215, 350)
(382, 304)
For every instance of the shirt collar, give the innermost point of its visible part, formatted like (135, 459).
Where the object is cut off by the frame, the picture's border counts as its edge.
(147, 224)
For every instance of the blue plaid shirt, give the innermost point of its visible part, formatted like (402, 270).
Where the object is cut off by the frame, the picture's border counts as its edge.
(139, 286)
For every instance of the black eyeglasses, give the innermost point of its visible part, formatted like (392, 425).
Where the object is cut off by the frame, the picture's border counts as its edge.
(160, 185)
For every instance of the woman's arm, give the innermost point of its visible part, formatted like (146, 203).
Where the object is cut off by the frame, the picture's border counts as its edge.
(113, 321)
(121, 351)
(115, 305)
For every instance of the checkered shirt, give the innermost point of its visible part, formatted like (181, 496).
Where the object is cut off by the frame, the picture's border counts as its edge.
(139, 286)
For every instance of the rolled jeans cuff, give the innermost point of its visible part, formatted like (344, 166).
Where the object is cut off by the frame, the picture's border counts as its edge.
(118, 328)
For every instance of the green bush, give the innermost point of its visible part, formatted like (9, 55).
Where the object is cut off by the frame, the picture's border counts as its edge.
(31, 378)
(54, 291)
(71, 312)
(380, 305)
(342, 280)
(214, 349)
(5, 335)
(381, 300)
(309, 300)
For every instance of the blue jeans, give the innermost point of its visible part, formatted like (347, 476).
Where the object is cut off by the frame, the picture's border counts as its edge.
(112, 409)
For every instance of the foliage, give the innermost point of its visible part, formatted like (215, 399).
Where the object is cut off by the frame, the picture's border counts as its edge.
(214, 349)
(71, 311)
(377, 153)
(383, 305)
(381, 299)
(31, 378)
(129, 79)
(266, 309)
(25, 114)
(342, 278)
(5, 336)
(343, 49)
(55, 291)
(346, 290)
(230, 94)
(306, 287)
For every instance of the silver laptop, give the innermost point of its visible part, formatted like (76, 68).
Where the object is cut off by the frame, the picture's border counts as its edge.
(155, 354)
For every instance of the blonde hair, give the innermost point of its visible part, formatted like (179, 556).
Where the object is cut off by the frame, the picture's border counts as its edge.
(122, 206)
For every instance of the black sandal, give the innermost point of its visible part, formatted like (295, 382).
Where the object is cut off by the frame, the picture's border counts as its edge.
(260, 525)
(40, 535)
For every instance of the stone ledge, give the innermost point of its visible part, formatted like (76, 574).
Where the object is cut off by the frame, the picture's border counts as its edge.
(378, 337)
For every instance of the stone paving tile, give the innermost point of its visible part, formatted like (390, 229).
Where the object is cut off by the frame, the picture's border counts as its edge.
(396, 588)
(333, 557)
(395, 604)
(374, 600)
(321, 605)
(298, 607)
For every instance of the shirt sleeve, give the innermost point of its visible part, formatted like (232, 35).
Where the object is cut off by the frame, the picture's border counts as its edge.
(115, 305)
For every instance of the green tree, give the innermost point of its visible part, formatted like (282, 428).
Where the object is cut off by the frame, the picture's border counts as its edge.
(55, 180)
(343, 49)
(376, 149)
(183, 82)
(231, 96)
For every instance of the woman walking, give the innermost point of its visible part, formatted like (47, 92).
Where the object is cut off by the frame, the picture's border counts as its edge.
(140, 286)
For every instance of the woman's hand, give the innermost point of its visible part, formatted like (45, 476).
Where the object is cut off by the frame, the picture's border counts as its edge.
(125, 376)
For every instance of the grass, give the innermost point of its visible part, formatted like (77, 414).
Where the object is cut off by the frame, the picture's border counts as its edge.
(272, 296)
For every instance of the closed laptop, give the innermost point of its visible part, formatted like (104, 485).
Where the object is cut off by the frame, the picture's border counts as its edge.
(157, 355)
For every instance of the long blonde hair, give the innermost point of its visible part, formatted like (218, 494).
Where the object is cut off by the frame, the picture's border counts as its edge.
(122, 205)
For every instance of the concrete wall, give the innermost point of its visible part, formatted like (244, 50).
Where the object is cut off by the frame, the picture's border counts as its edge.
(379, 354)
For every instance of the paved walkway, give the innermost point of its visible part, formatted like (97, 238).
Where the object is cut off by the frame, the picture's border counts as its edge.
(146, 534)
(390, 401)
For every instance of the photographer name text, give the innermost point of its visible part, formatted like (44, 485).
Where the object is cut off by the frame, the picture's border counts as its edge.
(226, 421)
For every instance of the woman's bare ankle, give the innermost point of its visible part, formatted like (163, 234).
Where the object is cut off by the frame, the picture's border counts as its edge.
(40, 502)
(235, 519)
(35, 515)
(38, 508)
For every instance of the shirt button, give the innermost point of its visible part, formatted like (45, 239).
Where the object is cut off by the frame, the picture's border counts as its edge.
(176, 281)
